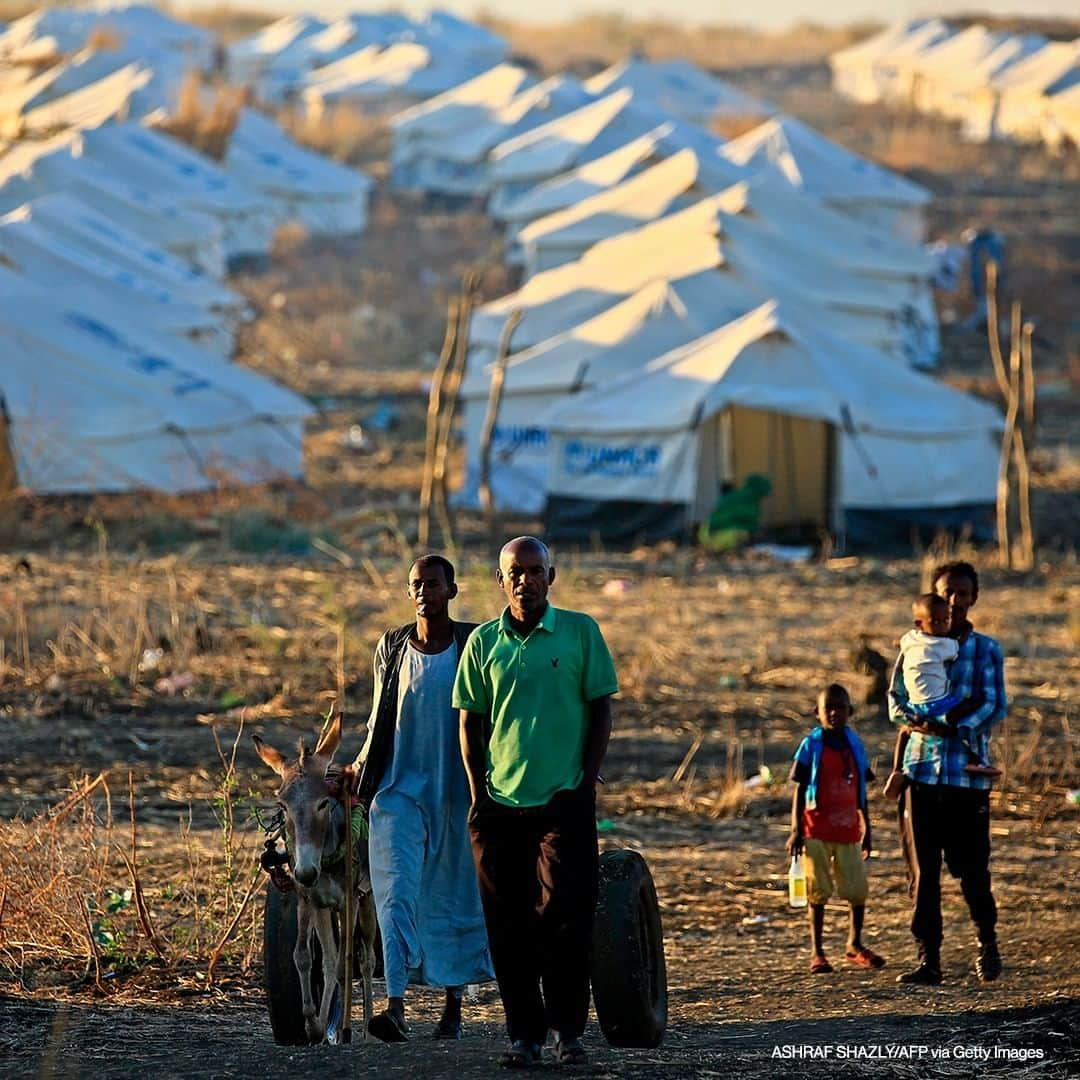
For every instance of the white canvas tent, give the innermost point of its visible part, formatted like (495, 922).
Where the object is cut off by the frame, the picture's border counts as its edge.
(92, 410)
(47, 259)
(566, 235)
(719, 232)
(32, 169)
(853, 72)
(677, 87)
(836, 176)
(281, 45)
(52, 32)
(160, 163)
(1023, 89)
(936, 73)
(456, 163)
(892, 69)
(457, 111)
(570, 188)
(836, 432)
(67, 217)
(594, 131)
(627, 335)
(1061, 123)
(130, 93)
(325, 197)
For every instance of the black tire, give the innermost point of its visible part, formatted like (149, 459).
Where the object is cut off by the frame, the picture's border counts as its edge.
(629, 973)
(283, 999)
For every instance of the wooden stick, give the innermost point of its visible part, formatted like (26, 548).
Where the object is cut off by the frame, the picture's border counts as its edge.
(491, 419)
(1023, 471)
(454, 377)
(1027, 362)
(349, 915)
(1012, 397)
(434, 407)
(993, 330)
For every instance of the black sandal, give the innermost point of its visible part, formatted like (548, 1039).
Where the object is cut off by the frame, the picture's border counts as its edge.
(521, 1055)
(386, 1027)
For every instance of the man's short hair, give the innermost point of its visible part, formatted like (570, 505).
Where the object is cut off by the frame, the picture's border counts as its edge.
(437, 560)
(961, 569)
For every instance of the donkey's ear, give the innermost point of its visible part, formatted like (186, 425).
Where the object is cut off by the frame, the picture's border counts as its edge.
(330, 738)
(272, 758)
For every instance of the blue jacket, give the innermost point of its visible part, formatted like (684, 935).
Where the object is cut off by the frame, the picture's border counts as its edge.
(809, 754)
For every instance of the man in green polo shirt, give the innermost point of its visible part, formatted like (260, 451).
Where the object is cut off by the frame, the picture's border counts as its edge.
(534, 688)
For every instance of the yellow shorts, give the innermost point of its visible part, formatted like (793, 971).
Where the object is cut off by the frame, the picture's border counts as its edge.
(827, 862)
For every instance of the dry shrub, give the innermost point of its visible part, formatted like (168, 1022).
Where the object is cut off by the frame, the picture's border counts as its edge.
(206, 128)
(342, 132)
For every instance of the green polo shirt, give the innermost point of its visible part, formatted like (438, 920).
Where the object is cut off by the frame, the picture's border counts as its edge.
(536, 691)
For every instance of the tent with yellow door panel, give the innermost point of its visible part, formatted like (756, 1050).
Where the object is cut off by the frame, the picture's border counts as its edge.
(849, 444)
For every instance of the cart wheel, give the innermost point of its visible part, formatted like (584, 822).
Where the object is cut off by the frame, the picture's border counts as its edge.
(629, 975)
(283, 998)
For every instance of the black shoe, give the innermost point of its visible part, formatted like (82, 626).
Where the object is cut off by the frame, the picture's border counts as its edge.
(988, 962)
(923, 975)
(388, 1027)
(520, 1055)
(447, 1028)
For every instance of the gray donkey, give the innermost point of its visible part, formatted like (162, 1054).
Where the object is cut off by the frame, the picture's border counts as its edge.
(315, 838)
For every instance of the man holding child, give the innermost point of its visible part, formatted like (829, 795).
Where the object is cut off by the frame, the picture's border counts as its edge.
(945, 803)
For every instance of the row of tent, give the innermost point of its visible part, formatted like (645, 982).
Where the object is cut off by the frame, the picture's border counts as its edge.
(694, 312)
(996, 84)
(369, 60)
(115, 241)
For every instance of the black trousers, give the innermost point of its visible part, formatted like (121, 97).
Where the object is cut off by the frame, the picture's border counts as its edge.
(952, 822)
(537, 869)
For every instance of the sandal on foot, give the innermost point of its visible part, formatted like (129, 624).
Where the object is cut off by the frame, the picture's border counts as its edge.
(386, 1027)
(820, 966)
(865, 958)
(520, 1055)
(570, 1052)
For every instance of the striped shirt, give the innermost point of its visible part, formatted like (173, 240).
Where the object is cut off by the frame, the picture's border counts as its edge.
(977, 673)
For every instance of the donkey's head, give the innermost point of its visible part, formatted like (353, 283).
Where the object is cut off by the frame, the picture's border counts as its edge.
(312, 825)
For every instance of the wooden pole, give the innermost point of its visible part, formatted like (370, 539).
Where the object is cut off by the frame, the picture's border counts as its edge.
(1012, 398)
(993, 330)
(433, 409)
(452, 389)
(350, 910)
(1026, 558)
(491, 419)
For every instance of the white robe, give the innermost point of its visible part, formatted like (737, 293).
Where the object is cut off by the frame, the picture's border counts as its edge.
(422, 871)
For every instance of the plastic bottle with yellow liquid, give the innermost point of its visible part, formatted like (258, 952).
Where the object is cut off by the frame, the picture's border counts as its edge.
(797, 883)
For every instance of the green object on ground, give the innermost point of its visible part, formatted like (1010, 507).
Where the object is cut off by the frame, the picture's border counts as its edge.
(605, 825)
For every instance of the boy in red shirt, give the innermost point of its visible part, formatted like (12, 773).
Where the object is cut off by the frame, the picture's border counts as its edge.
(831, 823)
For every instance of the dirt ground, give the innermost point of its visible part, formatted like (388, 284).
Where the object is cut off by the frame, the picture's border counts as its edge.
(726, 655)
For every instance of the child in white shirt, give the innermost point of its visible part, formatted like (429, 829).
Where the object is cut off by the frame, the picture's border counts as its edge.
(927, 650)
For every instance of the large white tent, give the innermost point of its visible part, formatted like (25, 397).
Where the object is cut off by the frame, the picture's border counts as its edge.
(679, 88)
(853, 67)
(66, 217)
(129, 93)
(281, 45)
(882, 311)
(52, 32)
(837, 433)
(893, 68)
(834, 175)
(457, 163)
(32, 169)
(92, 408)
(325, 197)
(1023, 90)
(156, 161)
(41, 255)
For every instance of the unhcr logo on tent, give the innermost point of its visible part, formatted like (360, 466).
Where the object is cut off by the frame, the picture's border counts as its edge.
(596, 459)
(515, 436)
